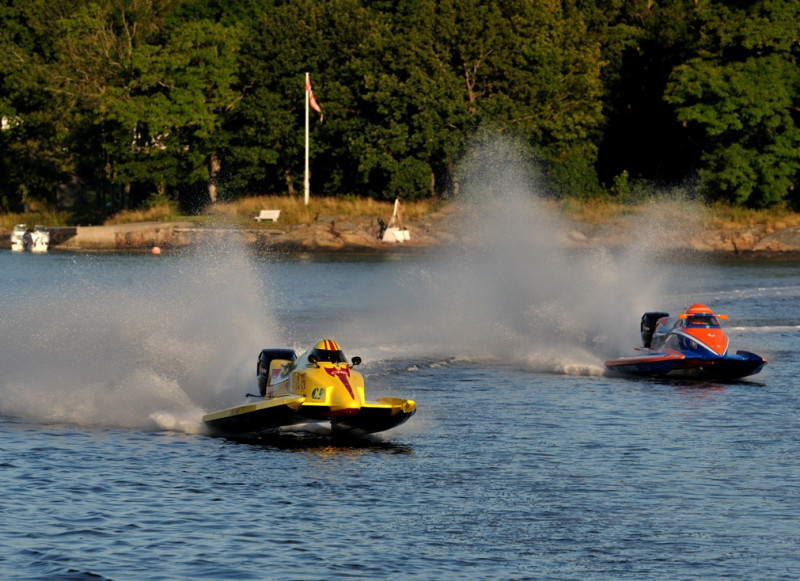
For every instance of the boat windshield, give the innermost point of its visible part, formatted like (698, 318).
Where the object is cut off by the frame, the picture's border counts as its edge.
(329, 356)
(702, 321)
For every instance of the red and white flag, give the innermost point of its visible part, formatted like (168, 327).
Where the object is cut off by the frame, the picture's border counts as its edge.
(311, 100)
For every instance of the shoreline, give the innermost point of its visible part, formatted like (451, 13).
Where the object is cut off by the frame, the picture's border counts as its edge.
(359, 236)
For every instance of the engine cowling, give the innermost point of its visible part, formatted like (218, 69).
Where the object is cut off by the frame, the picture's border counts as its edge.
(648, 326)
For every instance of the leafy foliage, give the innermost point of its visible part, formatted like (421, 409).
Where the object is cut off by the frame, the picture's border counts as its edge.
(137, 100)
(741, 89)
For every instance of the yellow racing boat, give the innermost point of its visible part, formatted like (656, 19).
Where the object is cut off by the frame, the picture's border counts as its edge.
(319, 386)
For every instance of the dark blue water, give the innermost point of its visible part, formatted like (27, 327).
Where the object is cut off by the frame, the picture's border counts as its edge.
(524, 460)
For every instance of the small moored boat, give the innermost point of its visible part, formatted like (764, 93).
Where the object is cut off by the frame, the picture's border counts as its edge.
(16, 237)
(36, 239)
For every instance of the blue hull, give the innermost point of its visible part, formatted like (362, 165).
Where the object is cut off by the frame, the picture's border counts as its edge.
(661, 364)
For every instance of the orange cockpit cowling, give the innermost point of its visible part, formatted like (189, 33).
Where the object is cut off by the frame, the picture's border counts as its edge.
(705, 328)
(714, 338)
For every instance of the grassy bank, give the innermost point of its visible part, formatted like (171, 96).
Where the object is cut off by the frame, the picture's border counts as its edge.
(718, 216)
(237, 213)
(294, 212)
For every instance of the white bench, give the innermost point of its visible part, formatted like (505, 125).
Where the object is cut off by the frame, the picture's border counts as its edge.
(268, 215)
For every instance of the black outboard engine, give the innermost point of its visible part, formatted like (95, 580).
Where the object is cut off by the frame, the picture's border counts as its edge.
(648, 326)
(264, 359)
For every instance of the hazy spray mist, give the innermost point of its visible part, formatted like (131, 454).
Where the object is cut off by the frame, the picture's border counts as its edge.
(159, 355)
(141, 356)
(514, 292)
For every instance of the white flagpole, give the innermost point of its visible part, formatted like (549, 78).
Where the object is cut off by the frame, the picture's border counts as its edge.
(306, 179)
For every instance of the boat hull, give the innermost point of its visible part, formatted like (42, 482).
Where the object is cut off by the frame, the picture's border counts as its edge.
(271, 414)
(677, 364)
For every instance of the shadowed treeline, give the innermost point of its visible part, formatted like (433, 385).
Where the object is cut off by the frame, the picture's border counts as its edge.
(125, 104)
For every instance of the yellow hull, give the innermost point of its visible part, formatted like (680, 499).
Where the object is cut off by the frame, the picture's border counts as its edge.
(286, 411)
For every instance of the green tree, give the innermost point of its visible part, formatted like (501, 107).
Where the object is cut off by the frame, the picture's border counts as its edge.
(405, 88)
(642, 41)
(35, 120)
(171, 97)
(172, 111)
(551, 78)
(741, 89)
(265, 137)
(412, 101)
(155, 87)
(447, 69)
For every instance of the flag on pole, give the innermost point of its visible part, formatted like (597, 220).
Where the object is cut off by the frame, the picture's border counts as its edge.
(312, 101)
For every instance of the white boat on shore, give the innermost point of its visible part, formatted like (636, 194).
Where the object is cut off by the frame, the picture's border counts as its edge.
(395, 231)
(16, 237)
(36, 239)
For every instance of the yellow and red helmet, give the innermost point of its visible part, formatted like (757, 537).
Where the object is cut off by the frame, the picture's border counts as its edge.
(329, 351)
(328, 345)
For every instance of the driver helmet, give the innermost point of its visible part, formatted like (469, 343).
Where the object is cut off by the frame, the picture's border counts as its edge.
(699, 309)
(699, 314)
(329, 350)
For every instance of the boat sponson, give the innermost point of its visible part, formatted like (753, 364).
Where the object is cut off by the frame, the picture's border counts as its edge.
(674, 363)
(265, 415)
(257, 416)
(388, 413)
(654, 363)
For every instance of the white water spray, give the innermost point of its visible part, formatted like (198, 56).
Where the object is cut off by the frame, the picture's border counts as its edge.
(158, 357)
(138, 355)
(515, 292)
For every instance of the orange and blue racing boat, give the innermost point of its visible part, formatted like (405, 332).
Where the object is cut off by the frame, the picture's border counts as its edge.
(692, 344)
(319, 386)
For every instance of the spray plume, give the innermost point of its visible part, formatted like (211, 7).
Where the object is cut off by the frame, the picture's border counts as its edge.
(139, 356)
(514, 291)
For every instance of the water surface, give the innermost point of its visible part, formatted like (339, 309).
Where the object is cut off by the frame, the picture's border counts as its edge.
(524, 460)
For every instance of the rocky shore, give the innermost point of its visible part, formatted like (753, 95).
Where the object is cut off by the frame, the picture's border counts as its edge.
(335, 233)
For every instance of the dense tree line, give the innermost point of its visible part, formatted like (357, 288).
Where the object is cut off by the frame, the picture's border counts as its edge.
(135, 100)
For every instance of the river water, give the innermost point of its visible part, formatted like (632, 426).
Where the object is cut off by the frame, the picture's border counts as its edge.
(524, 460)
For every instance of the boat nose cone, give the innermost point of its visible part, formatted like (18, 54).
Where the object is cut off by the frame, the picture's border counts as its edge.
(714, 339)
(718, 341)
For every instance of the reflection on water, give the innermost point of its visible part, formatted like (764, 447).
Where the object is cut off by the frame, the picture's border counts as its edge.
(684, 383)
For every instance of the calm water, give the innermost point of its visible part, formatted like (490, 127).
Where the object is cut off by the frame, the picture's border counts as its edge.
(523, 462)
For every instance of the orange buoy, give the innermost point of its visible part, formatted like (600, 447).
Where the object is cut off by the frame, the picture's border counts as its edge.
(156, 250)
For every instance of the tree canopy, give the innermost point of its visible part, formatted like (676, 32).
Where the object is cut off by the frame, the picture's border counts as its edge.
(197, 99)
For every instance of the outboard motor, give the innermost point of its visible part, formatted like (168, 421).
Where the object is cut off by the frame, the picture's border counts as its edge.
(264, 359)
(648, 326)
